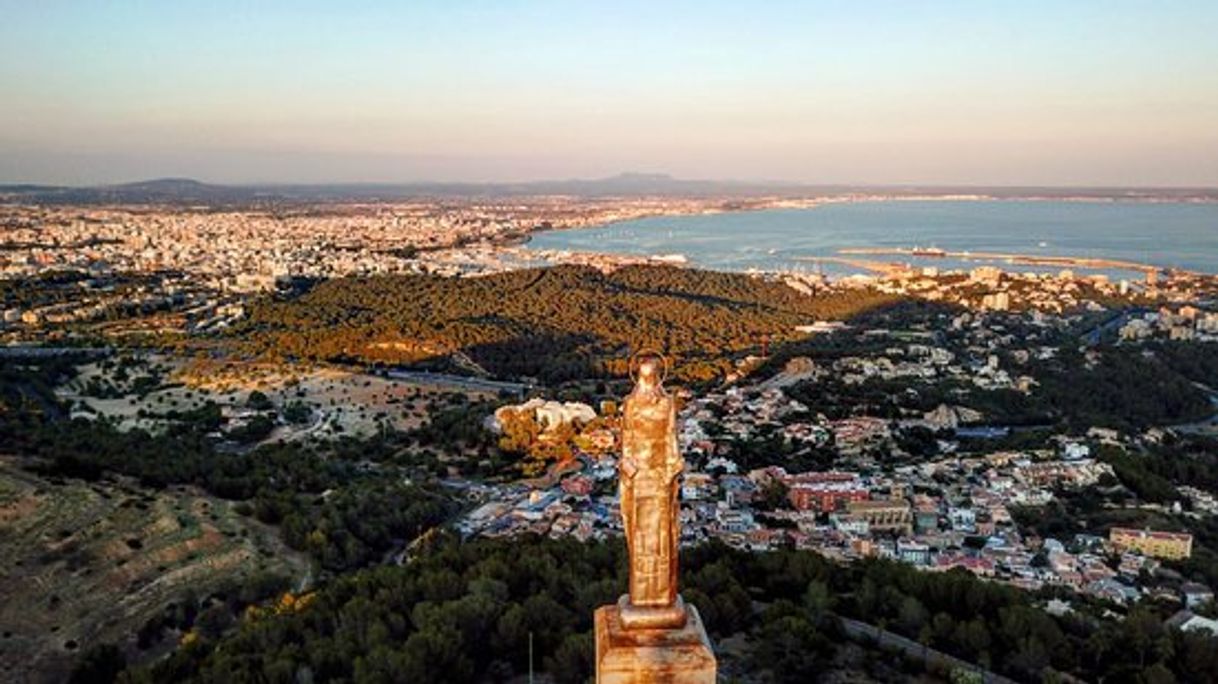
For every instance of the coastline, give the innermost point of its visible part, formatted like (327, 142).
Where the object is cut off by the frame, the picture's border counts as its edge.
(767, 204)
(1076, 256)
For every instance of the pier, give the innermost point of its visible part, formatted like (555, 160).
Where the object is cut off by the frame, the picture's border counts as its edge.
(1024, 259)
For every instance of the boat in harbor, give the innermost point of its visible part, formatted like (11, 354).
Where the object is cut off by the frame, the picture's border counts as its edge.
(670, 258)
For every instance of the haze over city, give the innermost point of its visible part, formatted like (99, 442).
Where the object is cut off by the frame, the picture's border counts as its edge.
(1033, 93)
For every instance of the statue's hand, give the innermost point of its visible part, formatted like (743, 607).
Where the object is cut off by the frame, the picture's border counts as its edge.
(629, 466)
(675, 470)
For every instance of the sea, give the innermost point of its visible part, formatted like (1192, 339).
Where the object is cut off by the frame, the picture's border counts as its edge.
(1168, 235)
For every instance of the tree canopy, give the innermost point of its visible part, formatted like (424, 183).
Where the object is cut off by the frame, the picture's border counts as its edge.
(556, 324)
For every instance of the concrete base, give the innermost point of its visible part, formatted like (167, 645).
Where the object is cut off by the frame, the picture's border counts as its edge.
(643, 656)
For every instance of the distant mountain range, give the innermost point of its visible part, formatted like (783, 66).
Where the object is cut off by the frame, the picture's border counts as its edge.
(188, 191)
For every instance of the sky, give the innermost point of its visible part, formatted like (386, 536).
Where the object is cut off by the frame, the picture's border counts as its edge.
(972, 92)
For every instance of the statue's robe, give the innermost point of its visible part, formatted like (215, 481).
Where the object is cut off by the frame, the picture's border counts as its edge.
(649, 499)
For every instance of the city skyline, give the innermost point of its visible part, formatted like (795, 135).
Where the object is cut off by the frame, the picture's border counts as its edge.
(1114, 94)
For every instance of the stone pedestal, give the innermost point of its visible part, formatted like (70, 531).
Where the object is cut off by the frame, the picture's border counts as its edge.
(673, 655)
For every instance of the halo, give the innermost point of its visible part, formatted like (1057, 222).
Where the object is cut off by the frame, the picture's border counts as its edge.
(647, 351)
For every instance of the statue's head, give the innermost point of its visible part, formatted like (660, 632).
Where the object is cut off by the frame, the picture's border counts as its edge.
(649, 369)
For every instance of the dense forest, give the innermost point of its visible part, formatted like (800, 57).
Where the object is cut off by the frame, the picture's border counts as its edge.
(555, 324)
(464, 612)
(49, 287)
(67, 286)
(1197, 361)
(1117, 388)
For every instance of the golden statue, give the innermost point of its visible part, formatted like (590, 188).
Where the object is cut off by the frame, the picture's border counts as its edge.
(650, 636)
(648, 473)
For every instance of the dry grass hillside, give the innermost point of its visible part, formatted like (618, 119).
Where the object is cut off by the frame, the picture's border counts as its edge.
(83, 563)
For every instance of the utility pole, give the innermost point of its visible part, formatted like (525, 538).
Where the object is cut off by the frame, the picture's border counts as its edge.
(530, 657)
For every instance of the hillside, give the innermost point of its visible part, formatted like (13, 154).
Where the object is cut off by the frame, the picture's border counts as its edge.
(554, 324)
(87, 563)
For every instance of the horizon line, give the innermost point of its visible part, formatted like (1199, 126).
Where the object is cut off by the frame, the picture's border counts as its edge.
(637, 177)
